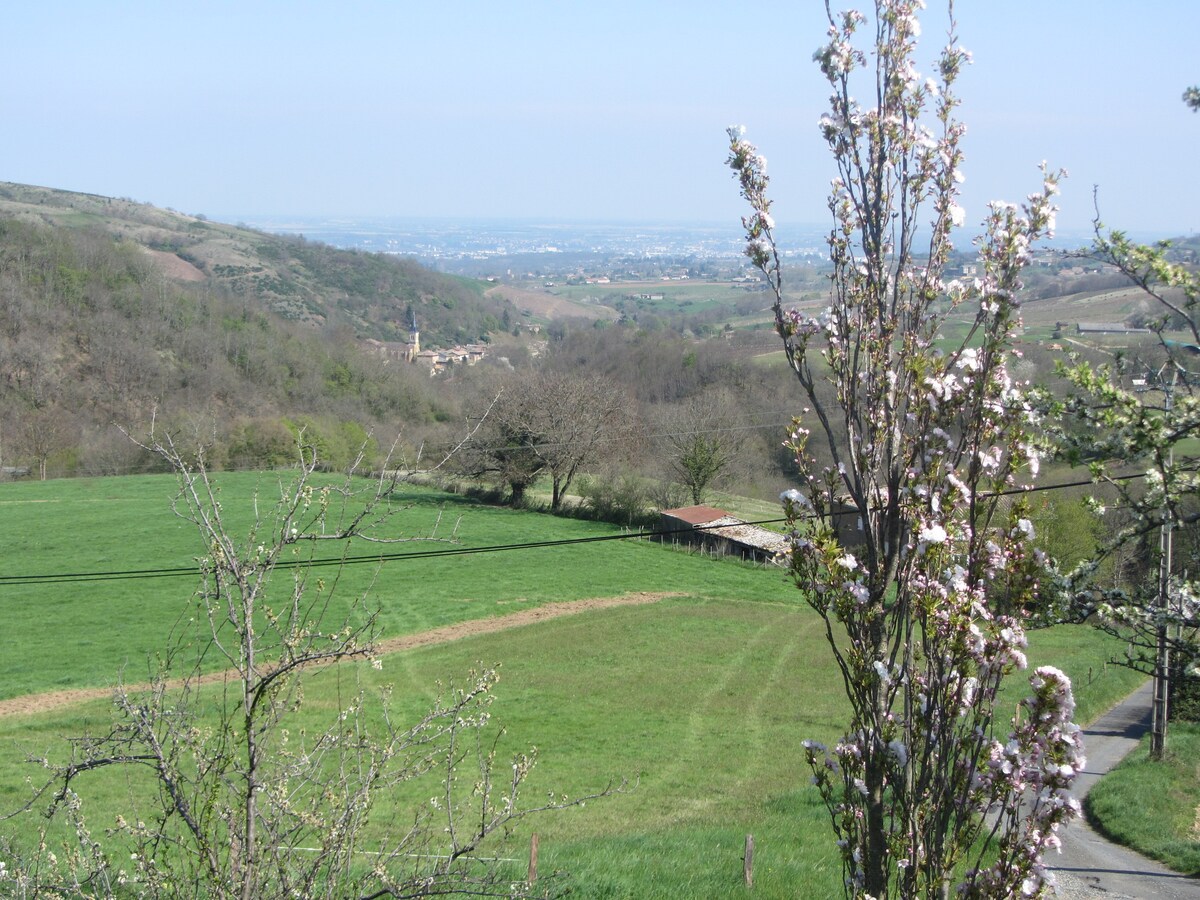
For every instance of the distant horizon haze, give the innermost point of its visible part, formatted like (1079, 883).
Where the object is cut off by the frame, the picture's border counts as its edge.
(577, 112)
(419, 236)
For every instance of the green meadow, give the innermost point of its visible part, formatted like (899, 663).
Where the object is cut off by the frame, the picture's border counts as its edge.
(116, 525)
(701, 699)
(1165, 829)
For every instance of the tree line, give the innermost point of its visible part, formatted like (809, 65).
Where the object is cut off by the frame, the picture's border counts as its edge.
(97, 340)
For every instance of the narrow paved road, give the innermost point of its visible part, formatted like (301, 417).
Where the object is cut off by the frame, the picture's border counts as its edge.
(1092, 867)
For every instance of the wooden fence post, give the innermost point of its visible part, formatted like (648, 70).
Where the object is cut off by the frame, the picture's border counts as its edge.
(533, 854)
(748, 861)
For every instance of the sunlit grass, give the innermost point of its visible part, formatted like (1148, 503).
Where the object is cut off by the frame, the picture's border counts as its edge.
(702, 699)
(1154, 807)
(703, 702)
(81, 633)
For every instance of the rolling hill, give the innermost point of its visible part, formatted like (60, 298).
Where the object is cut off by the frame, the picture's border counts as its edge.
(295, 279)
(113, 311)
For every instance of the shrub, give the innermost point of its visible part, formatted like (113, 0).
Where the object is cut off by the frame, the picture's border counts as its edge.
(622, 499)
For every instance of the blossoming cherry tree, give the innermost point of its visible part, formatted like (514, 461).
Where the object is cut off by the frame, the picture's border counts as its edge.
(900, 540)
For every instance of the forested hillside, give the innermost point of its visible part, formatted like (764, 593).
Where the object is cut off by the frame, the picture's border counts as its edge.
(112, 311)
(308, 282)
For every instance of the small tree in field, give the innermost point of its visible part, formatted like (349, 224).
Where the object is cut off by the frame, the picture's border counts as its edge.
(234, 794)
(929, 786)
(701, 443)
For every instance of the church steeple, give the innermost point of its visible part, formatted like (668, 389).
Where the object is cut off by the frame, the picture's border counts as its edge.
(414, 336)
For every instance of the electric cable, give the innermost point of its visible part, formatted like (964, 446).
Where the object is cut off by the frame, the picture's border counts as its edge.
(380, 558)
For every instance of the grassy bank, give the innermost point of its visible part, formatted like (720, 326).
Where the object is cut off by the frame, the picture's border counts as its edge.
(703, 702)
(1154, 807)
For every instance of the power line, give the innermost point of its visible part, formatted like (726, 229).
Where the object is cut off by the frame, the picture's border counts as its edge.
(379, 558)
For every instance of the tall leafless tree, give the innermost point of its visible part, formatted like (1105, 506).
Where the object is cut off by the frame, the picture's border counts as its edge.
(549, 425)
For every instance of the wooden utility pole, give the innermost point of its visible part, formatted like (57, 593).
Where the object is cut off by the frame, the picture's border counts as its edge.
(1162, 654)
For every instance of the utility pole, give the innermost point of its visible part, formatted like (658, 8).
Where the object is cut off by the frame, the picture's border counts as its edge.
(1162, 655)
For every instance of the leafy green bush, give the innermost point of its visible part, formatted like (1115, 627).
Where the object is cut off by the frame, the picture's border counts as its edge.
(1184, 705)
(622, 499)
(1066, 530)
(337, 443)
(260, 442)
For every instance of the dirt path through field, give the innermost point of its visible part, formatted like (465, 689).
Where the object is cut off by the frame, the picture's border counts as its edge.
(51, 700)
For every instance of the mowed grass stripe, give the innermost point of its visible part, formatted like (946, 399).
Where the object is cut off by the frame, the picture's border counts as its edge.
(51, 700)
(704, 700)
(754, 679)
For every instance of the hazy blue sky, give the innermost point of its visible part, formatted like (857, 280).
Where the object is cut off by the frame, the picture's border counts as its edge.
(568, 110)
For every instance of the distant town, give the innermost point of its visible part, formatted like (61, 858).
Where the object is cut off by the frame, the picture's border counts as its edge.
(482, 247)
(526, 250)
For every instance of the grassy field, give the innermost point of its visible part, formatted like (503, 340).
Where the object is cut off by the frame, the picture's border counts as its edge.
(741, 308)
(703, 698)
(115, 525)
(1165, 829)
